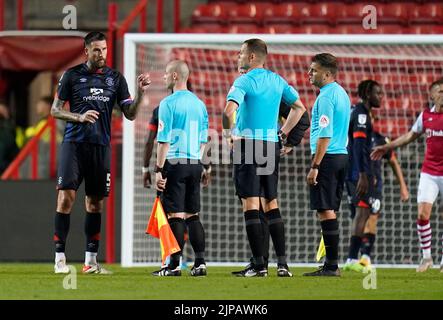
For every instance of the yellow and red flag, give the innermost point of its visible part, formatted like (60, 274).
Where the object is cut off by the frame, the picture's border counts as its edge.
(158, 227)
(321, 252)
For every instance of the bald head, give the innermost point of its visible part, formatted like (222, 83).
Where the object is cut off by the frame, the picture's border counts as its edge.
(181, 68)
(177, 74)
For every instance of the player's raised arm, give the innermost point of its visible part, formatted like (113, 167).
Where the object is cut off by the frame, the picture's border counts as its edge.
(130, 110)
(405, 139)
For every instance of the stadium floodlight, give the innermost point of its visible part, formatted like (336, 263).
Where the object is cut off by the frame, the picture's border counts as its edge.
(405, 65)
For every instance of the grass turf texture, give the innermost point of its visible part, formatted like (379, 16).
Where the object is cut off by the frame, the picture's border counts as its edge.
(37, 281)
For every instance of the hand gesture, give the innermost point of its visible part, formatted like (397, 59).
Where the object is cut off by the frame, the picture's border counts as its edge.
(282, 137)
(312, 177)
(143, 81)
(286, 150)
(379, 152)
(404, 194)
(160, 182)
(206, 177)
(89, 116)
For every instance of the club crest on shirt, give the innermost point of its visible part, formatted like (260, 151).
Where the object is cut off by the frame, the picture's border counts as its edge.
(362, 118)
(109, 81)
(324, 121)
(160, 126)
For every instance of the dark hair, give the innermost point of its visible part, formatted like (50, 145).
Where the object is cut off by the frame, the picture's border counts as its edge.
(365, 87)
(436, 83)
(327, 61)
(46, 99)
(94, 36)
(257, 46)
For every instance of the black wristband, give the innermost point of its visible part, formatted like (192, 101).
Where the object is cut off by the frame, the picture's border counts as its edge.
(315, 166)
(158, 169)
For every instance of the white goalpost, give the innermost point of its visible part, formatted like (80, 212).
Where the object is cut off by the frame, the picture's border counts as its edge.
(405, 65)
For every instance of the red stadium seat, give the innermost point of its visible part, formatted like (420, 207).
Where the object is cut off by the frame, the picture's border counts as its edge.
(248, 13)
(285, 13)
(314, 28)
(396, 12)
(426, 29)
(326, 12)
(279, 28)
(427, 13)
(245, 28)
(380, 29)
(351, 13)
(216, 12)
(393, 127)
(206, 28)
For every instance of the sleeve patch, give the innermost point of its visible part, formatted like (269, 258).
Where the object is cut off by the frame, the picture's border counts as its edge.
(161, 126)
(362, 118)
(324, 121)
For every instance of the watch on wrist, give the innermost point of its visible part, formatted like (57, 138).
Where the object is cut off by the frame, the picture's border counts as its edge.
(315, 166)
(207, 168)
(158, 169)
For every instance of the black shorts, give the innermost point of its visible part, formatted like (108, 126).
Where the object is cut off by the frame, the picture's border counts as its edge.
(88, 161)
(370, 200)
(256, 168)
(327, 194)
(182, 191)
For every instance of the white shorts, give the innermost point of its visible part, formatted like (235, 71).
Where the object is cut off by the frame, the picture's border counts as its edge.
(428, 187)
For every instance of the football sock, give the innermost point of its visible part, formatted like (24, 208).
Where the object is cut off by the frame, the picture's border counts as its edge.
(266, 236)
(61, 223)
(60, 256)
(354, 247)
(90, 258)
(254, 231)
(92, 231)
(424, 235)
(277, 231)
(178, 227)
(330, 237)
(367, 243)
(197, 238)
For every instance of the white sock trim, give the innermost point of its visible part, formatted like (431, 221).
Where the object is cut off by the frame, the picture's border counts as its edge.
(90, 258)
(60, 256)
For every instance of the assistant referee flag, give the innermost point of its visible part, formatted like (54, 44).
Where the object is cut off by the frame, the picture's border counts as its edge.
(158, 227)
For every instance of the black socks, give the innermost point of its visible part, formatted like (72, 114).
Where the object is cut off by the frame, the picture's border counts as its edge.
(61, 224)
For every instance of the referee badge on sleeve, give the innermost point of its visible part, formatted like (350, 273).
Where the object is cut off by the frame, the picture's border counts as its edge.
(362, 118)
(324, 121)
(161, 126)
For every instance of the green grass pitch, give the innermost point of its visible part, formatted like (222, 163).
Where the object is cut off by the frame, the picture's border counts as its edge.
(37, 281)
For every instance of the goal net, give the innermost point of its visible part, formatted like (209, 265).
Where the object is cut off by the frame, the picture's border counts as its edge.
(404, 65)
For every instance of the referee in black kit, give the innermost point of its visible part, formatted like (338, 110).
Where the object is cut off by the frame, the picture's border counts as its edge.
(329, 135)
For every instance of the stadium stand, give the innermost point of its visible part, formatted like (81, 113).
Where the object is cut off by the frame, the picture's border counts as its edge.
(398, 17)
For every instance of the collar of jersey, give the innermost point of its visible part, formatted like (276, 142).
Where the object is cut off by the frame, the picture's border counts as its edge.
(327, 86)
